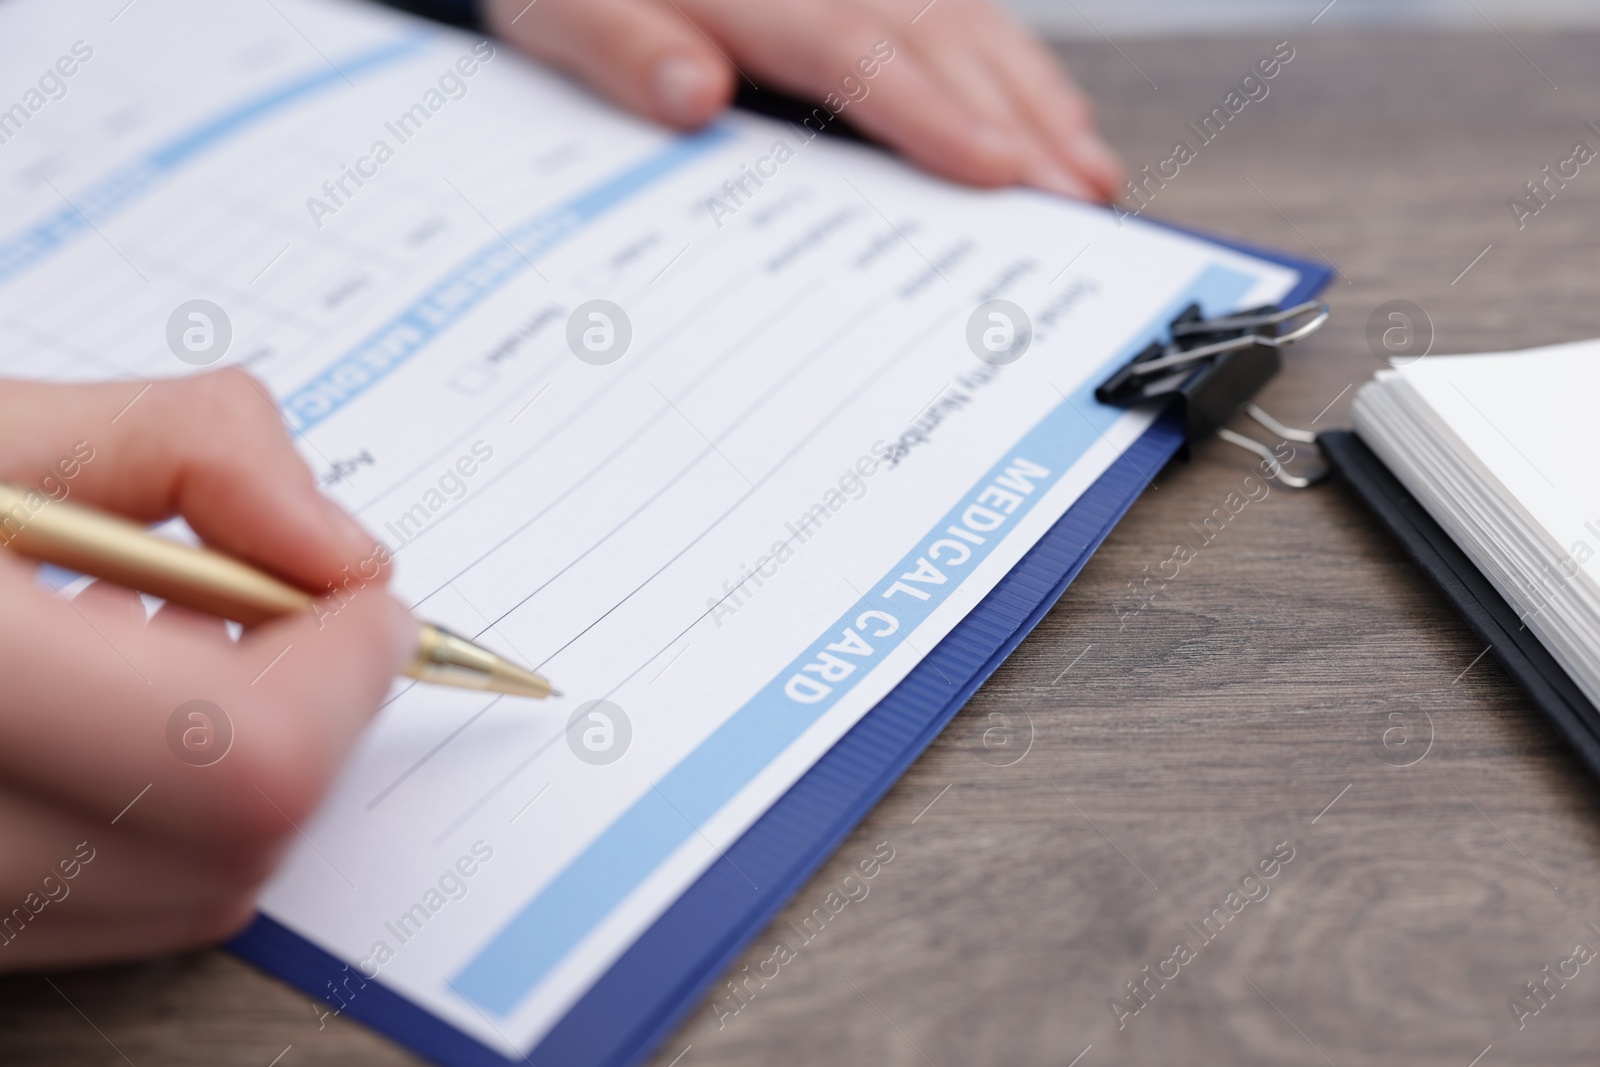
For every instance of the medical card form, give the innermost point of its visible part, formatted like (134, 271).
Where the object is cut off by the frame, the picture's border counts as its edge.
(695, 424)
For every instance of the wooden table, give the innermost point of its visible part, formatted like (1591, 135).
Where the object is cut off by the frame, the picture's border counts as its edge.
(1248, 705)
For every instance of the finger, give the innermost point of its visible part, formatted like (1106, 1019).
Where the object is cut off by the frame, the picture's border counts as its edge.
(1062, 113)
(648, 59)
(97, 712)
(211, 448)
(104, 600)
(962, 65)
(100, 600)
(57, 861)
(170, 614)
(310, 701)
(810, 47)
(60, 939)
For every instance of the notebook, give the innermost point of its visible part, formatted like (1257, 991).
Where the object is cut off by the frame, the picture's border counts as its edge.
(1499, 449)
(766, 449)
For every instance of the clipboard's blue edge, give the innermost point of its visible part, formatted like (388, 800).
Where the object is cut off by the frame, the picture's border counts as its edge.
(661, 977)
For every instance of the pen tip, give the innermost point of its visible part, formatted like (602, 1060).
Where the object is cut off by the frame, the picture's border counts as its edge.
(519, 681)
(451, 659)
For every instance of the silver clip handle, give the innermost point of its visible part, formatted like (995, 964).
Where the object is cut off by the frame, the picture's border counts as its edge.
(1268, 318)
(1232, 344)
(1287, 433)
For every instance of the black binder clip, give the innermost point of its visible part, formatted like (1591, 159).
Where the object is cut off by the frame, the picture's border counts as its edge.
(1212, 366)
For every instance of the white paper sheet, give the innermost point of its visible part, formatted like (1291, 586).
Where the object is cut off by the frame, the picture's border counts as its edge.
(765, 480)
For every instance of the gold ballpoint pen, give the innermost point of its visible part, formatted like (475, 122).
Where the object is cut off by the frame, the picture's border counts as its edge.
(92, 542)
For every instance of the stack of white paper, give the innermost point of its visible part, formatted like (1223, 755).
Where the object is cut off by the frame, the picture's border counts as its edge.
(1501, 450)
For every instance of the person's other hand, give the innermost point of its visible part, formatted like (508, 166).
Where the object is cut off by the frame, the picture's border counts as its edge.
(969, 94)
(121, 837)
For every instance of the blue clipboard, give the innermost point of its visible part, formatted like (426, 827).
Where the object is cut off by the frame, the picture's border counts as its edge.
(651, 988)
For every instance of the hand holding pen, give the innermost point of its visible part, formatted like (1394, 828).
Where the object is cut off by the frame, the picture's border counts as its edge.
(94, 748)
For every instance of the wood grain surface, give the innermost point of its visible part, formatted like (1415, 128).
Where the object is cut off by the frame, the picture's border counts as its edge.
(1155, 759)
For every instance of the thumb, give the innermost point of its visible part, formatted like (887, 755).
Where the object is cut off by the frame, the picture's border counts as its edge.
(652, 61)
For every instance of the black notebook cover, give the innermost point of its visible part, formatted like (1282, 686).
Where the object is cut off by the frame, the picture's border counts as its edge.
(1491, 617)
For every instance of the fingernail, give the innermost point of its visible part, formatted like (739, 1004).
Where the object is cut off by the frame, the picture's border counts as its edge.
(681, 87)
(1089, 149)
(1052, 179)
(351, 535)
